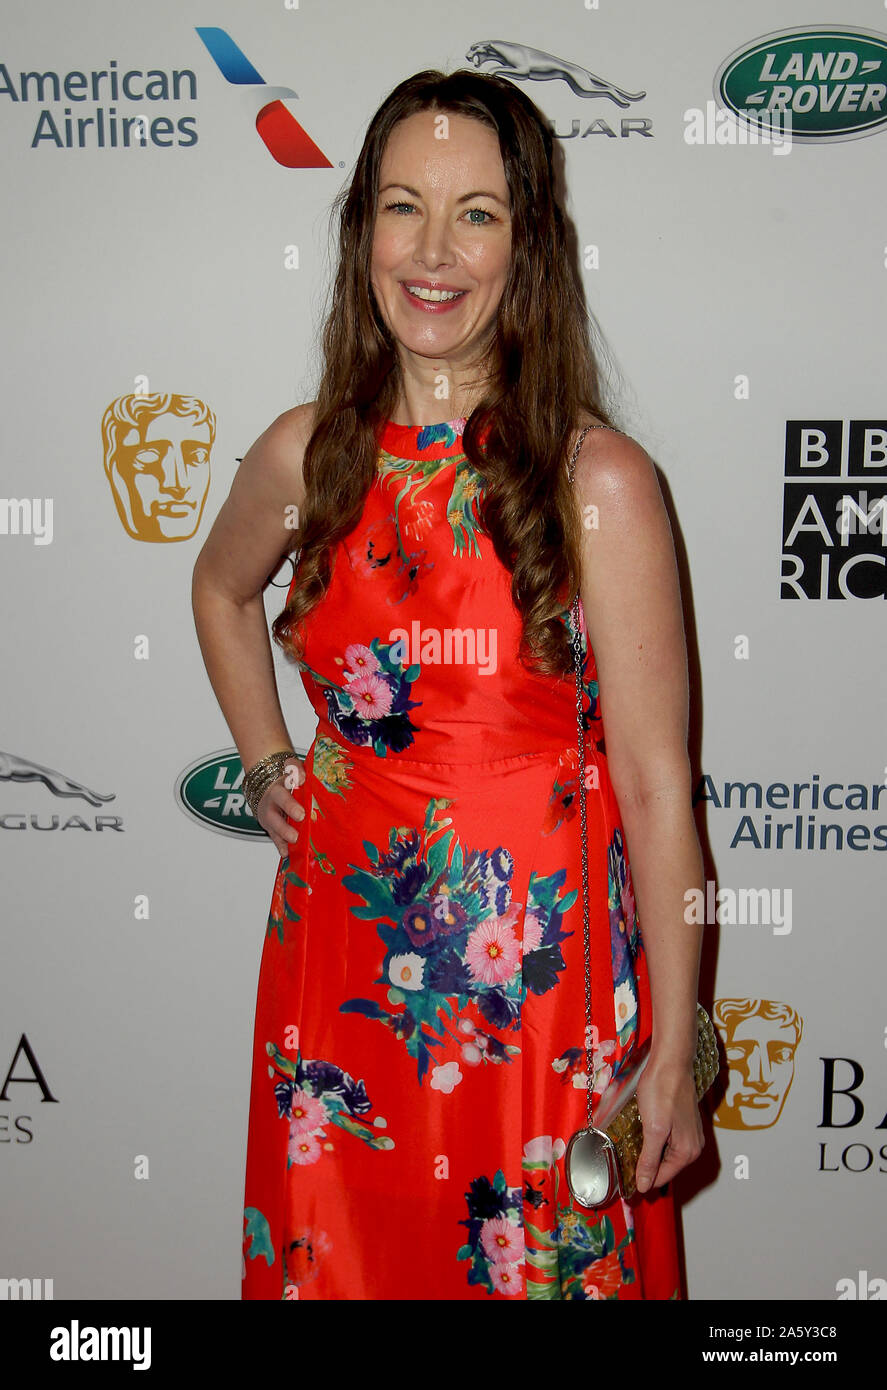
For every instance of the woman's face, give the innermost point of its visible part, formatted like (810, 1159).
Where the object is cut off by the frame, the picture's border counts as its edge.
(442, 235)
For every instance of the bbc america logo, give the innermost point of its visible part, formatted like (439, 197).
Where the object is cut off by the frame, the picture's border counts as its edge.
(834, 512)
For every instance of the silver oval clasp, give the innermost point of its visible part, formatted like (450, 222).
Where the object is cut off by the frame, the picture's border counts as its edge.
(592, 1168)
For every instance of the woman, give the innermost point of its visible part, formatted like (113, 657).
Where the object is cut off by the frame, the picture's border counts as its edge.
(419, 1058)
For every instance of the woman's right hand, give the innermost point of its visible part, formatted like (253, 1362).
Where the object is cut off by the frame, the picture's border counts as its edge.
(278, 803)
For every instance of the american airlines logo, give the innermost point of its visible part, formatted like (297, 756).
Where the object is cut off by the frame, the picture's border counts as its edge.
(278, 128)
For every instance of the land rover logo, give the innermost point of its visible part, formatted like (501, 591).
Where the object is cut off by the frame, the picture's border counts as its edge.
(828, 83)
(210, 791)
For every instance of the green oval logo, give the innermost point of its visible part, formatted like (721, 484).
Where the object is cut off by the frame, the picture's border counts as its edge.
(824, 83)
(210, 791)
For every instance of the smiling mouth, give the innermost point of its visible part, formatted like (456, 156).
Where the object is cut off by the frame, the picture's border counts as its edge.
(435, 296)
(431, 296)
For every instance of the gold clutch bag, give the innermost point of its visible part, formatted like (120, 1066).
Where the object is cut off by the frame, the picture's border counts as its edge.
(601, 1160)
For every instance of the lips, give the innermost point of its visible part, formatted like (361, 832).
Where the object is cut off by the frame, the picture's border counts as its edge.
(432, 297)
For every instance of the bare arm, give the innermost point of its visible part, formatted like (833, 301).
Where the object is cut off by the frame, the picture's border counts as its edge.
(631, 597)
(246, 544)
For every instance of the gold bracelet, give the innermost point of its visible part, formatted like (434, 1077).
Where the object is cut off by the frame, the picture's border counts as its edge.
(262, 775)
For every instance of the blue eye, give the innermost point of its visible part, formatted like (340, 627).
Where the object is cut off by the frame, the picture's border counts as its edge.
(478, 217)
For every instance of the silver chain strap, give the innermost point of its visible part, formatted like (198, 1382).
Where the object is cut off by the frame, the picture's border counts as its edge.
(583, 822)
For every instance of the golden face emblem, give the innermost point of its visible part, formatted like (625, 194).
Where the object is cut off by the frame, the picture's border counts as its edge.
(760, 1037)
(157, 461)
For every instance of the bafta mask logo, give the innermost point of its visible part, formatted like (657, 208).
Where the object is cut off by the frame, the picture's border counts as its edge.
(760, 1037)
(157, 458)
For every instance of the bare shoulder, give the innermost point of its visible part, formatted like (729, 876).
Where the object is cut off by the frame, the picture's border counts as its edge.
(615, 470)
(274, 461)
(257, 522)
(628, 545)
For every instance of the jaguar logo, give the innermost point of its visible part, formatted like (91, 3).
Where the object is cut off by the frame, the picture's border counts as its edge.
(517, 61)
(16, 769)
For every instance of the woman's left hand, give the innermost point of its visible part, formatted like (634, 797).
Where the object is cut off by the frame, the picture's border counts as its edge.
(669, 1112)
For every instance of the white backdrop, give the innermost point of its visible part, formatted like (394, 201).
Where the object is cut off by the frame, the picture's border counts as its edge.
(738, 290)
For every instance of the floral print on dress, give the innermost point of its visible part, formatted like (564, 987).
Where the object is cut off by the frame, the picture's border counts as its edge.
(525, 1237)
(495, 1245)
(625, 938)
(592, 719)
(625, 947)
(303, 1258)
(316, 856)
(381, 552)
(572, 1067)
(447, 919)
(461, 507)
(445, 434)
(390, 549)
(257, 1235)
(543, 958)
(370, 708)
(282, 910)
(570, 1254)
(582, 1256)
(563, 803)
(311, 1095)
(331, 766)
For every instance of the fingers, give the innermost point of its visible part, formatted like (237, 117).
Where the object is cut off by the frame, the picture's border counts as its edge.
(673, 1161)
(663, 1158)
(672, 1125)
(294, 773)
(293, 778)
(655, 1136)
(670, 1167)
(278, 804)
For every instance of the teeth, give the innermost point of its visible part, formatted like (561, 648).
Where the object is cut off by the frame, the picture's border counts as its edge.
(435, 296)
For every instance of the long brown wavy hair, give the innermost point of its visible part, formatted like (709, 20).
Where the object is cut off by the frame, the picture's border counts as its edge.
(541, 374)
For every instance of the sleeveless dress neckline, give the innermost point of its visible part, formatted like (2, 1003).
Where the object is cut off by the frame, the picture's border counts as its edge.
(422, 442)
(431, 442)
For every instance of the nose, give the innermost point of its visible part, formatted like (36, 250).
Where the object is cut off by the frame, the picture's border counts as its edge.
(433, 246)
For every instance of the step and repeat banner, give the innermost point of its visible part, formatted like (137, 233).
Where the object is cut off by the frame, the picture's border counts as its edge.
(168, 171)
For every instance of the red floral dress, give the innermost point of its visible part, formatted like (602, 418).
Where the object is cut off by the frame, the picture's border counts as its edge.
(419, 1061)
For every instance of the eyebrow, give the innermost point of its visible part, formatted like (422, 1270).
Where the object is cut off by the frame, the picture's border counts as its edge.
(478, 193)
